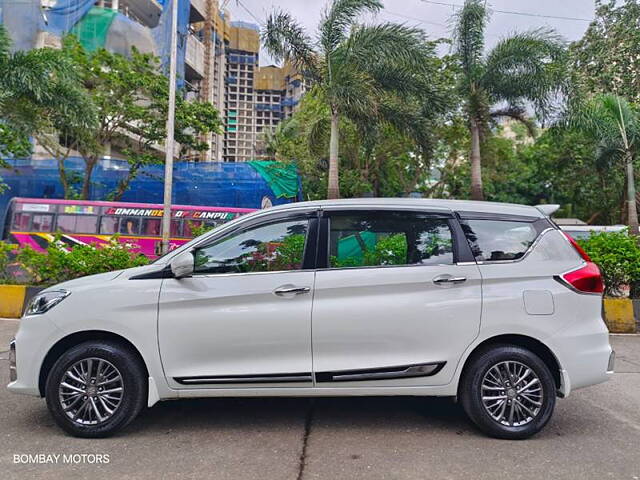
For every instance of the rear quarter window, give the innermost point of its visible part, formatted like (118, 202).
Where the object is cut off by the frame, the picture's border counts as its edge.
(499, 240)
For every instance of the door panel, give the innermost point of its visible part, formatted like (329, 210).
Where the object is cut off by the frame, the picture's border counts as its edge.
(396, 309)
(244, 318)
(235, 325)
(373, 318)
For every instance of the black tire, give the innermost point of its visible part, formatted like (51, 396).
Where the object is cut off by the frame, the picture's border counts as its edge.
(471, 392)
(132, 397)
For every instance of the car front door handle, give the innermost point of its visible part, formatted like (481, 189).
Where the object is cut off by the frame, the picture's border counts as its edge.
(291, 290)
(446, 279)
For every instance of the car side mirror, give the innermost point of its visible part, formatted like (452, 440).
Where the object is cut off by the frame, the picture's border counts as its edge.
(182, 265)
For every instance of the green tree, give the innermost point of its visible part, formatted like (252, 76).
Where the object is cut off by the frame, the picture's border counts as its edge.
(607, 58)
(33, 106)
(615, 125)
(130, 97)
(358, 71)
(618, 256)
(524, 68)
(388, 163)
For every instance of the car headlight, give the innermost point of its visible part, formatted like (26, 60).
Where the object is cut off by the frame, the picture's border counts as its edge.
(46, 301)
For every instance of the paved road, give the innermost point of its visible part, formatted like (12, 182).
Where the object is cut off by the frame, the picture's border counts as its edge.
(595, 434)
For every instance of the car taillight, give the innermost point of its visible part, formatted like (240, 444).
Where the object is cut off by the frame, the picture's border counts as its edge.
(578, 248)
(586, 279)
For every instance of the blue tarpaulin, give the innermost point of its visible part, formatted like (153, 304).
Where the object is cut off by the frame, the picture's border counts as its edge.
(162, 36)
(25, 19)
(210, 183)
(64, 15)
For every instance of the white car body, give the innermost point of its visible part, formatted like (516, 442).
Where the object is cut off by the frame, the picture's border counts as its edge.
(229, 335)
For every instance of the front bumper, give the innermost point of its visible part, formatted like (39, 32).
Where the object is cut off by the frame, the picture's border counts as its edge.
(27, 351)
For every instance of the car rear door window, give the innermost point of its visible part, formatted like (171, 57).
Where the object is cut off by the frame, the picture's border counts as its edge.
(388, 238)
(498, 240)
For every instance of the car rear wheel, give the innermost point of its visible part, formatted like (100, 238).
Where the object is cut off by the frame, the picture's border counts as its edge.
(96, 388)
(508, 392)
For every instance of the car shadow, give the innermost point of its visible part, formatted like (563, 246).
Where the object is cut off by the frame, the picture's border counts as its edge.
(274, 412)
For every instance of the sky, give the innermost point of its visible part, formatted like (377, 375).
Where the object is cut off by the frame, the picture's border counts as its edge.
(433, 17)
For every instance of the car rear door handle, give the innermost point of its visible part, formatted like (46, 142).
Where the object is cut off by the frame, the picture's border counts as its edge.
(445, 279)
(291, 290)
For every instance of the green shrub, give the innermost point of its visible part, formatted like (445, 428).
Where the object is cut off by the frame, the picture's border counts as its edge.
(200, 229)
(59, 263)
(7, 252)
(618, 256)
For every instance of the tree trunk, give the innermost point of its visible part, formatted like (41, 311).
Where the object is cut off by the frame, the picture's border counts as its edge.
(122, 187)
(631, 196)
(377, 184)
(90, 163)
(64, 181)
(476, 166)
(333, 190)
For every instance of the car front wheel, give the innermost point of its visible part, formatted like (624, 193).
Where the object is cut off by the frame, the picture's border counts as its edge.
(508, 392)
(96, 388)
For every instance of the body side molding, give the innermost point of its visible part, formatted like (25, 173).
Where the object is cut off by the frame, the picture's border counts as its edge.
(385, 373)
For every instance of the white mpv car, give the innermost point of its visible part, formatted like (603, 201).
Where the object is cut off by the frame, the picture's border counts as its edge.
(490, 303)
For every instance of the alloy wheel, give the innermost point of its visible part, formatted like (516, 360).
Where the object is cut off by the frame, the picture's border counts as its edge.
(512, 393)
(90, 391)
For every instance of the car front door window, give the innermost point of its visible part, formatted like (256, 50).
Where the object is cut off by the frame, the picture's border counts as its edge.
(267, 248)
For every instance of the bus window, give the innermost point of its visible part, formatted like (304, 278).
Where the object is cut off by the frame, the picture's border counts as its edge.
(21, 222)
(109, 225)
(188, 225)
(151, 227)
(129, 226)
(86, 224)
(77, 223)
(176, 231)
(66, 223)
(42, 223)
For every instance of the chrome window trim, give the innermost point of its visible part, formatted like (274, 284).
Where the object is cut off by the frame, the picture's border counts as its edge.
(218, 275)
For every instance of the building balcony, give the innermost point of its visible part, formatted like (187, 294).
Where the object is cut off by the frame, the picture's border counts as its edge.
(146, 12)
(198, 11)
(194, 65)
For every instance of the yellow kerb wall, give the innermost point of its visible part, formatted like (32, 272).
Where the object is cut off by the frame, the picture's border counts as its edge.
(12, 300)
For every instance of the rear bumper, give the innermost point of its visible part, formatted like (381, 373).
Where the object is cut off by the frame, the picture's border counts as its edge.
(585, 355)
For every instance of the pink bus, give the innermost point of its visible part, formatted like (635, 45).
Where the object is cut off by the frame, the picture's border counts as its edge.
(35, 221)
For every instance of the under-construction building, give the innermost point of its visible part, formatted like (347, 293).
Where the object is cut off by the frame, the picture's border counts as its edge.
(251, 99)
(218, 60)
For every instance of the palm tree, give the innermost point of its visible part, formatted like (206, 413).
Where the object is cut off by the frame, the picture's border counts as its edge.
(523, 68)
(352, 67)
(615, 125)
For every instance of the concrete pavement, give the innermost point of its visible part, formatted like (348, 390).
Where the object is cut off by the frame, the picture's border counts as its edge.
(594, 434)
